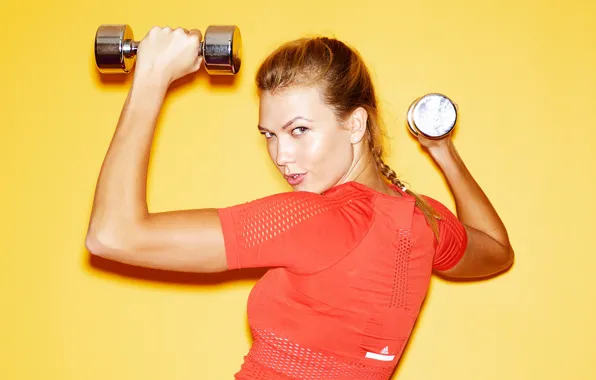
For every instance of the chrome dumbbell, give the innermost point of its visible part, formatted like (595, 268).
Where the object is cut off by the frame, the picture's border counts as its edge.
(116, 49)
(433, 115)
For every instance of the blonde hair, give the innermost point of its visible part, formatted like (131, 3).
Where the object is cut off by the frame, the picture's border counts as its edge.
(346, 85)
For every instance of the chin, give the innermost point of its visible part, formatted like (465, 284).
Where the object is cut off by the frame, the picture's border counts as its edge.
(300, 188)
(308, 188)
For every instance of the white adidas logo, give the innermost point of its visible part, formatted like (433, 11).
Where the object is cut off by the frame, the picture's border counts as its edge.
(383, 356)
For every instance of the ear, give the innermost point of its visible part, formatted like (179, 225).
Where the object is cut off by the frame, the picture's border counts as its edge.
(357, 123)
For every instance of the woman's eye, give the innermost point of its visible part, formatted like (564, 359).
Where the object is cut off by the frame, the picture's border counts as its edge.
(266, 134)
(299, 130)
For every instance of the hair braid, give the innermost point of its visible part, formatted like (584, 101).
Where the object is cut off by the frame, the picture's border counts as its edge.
(429, 213)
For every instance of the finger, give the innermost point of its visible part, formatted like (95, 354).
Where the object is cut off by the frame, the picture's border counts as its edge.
(197, 64)
(197, 33)
(199, 36)
(185, 31)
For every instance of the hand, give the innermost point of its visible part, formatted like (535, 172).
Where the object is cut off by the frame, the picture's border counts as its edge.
(433, 144)
(166, 55)
(441, 150)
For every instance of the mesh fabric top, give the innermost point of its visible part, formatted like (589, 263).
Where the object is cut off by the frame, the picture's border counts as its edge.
(349, 271)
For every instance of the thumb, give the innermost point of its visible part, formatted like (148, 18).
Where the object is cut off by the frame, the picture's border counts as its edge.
(197, 33)
(197, 64)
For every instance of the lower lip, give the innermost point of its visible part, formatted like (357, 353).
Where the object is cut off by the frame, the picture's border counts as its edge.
(295, 181)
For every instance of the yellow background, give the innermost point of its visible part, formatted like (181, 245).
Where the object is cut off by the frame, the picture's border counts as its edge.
(522, 73)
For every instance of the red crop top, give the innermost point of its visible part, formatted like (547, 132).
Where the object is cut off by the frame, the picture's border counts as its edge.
(350, 269)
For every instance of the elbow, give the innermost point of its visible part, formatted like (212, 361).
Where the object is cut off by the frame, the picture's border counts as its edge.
(504, 260)
(510, 258)
(95, 245)
(483, 264)
(103, 244)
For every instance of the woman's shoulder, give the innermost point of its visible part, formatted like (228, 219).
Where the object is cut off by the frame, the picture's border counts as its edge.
(340, 195)
(360, 189)
(344, 201)
(349, 190)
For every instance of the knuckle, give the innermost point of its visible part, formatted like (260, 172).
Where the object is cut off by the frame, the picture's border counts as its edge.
(196, 39)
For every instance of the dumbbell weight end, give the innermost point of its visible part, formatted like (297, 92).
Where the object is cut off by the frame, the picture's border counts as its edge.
(433, 115)
(115, 48)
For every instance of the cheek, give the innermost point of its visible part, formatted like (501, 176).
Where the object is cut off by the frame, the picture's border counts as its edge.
(310, 151)
(324, 154)
(272, 149)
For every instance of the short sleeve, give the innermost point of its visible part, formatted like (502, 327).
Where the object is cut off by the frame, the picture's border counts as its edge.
(453, 237)
(302, 231)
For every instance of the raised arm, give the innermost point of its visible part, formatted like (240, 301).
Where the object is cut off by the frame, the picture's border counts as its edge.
(121, 227)
(488, 248)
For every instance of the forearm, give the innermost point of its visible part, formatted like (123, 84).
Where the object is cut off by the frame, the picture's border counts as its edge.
(120, 194)
(473, 206)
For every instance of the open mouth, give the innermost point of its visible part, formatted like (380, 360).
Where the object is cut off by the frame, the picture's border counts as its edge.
(295, 179)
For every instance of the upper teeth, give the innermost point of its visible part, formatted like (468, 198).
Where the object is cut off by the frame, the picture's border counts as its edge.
(294, 176)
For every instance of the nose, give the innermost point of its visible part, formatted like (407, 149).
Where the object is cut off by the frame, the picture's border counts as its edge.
(285, 154)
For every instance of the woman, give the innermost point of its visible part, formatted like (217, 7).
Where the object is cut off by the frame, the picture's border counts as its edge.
(350, 253)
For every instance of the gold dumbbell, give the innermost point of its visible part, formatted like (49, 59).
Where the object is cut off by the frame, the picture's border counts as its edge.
(116, 49)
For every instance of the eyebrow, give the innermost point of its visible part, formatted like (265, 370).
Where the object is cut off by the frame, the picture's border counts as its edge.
(288, 123)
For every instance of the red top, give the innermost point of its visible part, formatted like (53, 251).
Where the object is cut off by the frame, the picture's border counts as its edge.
(350, 269)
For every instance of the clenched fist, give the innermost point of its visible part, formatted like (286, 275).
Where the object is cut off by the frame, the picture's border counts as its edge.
(166, 54)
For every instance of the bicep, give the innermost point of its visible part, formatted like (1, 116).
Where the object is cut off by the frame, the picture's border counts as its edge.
(185, 240)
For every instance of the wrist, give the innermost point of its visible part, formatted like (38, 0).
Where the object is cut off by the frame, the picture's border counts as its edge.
(444, 154)
(148, 81)
(441, 149)
(147, 93)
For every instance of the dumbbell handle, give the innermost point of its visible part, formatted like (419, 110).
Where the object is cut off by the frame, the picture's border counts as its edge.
(130, 47)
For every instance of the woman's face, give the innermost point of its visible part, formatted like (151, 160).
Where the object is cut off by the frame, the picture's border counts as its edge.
(309, 146)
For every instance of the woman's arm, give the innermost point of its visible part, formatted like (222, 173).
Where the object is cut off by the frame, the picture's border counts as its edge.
(121, 227)
(488, 250)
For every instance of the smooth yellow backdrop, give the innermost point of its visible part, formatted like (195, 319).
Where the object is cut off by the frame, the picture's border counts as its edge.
(522, 73)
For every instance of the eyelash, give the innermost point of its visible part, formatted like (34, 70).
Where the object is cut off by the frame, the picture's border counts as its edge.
(303, 128)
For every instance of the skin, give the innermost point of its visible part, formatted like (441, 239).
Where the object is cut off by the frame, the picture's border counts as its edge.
(329, 151)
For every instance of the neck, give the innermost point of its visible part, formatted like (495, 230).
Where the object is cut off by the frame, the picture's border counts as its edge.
(366, 172)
